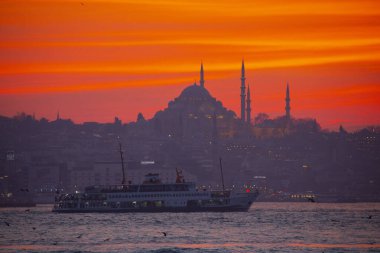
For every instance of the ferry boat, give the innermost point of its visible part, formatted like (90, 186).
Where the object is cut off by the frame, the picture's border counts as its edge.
(154, 196)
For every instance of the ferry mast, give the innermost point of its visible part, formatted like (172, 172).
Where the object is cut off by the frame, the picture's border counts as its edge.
(221, 172)
(122, 163)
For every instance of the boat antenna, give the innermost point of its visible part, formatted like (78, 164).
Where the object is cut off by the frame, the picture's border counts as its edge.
(122, 161)
(221, 172)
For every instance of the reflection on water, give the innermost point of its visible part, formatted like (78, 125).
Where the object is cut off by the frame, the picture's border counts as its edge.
(267, 227)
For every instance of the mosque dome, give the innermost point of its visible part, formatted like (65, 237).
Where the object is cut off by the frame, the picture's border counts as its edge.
(194, 93)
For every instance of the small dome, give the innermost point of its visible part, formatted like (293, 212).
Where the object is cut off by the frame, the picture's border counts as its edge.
(195, 92)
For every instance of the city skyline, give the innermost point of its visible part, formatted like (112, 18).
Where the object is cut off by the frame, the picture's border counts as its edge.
(189, 126)
(95, 60)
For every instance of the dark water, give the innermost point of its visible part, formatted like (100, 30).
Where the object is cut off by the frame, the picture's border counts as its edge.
(267, 227)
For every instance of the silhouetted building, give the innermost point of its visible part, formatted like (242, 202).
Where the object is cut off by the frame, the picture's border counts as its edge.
(242, 94)
(44, 180)
(287, 100)
(248, 106)
(190, 116)
(195, 115)
(140, 117)
(201, 80)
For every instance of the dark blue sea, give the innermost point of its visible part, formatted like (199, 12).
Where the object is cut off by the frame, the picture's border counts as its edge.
(267, 227)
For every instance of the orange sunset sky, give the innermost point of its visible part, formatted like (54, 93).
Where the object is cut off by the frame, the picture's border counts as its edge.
(92, 60)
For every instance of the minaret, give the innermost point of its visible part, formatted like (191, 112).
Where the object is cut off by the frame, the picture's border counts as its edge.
(58, 117)
(242, 95)
(202, 81)
(248, 106)
(287, 100)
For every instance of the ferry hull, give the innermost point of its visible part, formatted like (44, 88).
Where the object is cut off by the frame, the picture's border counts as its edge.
(155, 210)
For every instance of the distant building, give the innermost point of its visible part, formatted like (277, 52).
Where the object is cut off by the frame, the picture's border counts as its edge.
(191, 115)
(44, 180)
(242, 92)
(248, 106)
(287, 101)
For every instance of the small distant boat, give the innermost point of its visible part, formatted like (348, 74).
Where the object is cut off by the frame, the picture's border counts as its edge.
(154, 196)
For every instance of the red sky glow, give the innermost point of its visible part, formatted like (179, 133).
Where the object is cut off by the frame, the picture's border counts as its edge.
(92, 60)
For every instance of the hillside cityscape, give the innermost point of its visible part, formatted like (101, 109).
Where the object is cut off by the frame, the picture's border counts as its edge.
(286, 158)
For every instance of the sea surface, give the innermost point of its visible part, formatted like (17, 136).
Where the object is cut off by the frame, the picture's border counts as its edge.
(266, 227)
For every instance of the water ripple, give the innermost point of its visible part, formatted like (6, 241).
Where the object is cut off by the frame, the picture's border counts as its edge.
(267, 227)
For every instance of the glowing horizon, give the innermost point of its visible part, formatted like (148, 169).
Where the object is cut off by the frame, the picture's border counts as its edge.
(93, 60)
